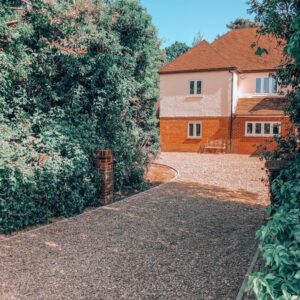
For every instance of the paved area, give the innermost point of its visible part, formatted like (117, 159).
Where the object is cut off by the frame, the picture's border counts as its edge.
(187, 239)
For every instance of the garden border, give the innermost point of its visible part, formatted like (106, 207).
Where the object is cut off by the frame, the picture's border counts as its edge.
(241, 293)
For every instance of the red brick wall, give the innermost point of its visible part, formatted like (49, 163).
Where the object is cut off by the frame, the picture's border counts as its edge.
(104, 163)
(253, 145)
(173, 133)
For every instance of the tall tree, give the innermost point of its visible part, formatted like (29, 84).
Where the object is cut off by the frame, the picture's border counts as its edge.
(176, 49)
(241, 23)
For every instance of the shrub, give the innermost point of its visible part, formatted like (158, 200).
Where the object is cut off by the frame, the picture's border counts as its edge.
(280, 279)
(74, 78)
(33, 190)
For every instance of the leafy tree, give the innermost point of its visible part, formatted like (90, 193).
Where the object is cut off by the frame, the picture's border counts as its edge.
(281, 18)
(176, 49)
(280, 237)
(74, 77)
(241, 23)
(217, 37)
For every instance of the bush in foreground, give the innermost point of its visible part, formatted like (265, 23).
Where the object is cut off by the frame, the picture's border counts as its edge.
(74, 78)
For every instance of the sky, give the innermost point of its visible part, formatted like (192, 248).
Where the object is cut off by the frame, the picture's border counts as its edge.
(181, 20)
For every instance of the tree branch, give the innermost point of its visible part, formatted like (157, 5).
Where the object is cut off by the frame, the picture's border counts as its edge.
(12, 22)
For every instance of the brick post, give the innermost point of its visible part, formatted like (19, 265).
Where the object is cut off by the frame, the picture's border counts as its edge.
(104, 163)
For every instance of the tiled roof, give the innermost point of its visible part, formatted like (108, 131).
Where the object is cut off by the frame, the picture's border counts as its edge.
(235, 46)
(231, 51)
(261, 106)
(201, 57)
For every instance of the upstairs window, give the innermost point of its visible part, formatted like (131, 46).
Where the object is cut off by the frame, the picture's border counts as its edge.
(195, 130)
(262, 128)
(195, 87)
(265, 85)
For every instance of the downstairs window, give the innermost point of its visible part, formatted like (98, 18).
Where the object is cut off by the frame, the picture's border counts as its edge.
(262, 128)
(195, 130)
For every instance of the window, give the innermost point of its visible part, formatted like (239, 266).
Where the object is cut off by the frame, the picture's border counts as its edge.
(262, 128)
(265, 85)
(195, 130)
(195, 87)
(258, 128)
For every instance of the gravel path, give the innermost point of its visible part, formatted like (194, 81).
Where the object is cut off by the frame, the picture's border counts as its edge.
(239, 176)
(187, 239)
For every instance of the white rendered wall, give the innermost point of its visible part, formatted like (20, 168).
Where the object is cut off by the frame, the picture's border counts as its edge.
(235, 93)
(246, 85)
(215, 100)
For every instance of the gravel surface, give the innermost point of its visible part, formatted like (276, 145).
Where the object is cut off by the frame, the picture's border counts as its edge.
(158, 174)
(187, 239)
(240, 176)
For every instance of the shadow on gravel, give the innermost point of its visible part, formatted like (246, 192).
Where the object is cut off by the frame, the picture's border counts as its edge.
(220, 193)
(179, 241)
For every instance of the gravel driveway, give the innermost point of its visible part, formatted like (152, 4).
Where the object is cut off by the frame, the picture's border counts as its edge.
(192, 238)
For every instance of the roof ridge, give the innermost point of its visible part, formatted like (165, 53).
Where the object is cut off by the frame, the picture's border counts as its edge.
(186, 52)
(223, 35)
(221, 55)
(218, 61)
(231, 51)
(231, 30)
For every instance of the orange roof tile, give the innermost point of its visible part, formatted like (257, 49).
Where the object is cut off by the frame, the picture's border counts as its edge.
(201, 57)
(231, 51)
(261, 106)
(235, 46)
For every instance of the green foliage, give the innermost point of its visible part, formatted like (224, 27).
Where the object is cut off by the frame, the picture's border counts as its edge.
(281, 18)
(33, 190)
(281, 241)
(280, 279)
(73, 79)
(241, 23)
(175, 50)
(286, 148)
(286, 187)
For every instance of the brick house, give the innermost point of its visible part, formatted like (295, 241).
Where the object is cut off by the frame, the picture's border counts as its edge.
(223, 94)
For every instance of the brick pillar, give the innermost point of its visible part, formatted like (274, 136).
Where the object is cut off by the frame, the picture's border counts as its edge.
(104, 163)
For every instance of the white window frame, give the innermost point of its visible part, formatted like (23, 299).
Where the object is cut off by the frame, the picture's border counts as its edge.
(194, 125)
(263, 85)
(195, 88)
(262, 134)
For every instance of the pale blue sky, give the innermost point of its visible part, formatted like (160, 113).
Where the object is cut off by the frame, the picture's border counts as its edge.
(180, 20)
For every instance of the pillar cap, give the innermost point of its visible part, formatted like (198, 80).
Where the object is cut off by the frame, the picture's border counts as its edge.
(107, 153)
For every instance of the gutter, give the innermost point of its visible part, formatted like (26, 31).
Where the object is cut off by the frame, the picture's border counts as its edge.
(161, 71)
(257, 70)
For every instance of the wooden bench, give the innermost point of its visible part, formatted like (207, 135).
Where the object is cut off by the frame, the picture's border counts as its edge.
(218, 144)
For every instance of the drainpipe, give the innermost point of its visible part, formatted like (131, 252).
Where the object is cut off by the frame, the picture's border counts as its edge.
(231, 114)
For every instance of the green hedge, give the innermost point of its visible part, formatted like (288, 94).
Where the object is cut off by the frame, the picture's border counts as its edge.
(32, 191)
(75, 77)
(280, 279)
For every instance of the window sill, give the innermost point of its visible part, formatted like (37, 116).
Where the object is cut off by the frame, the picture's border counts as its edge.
(266, 94)
(263, 135)
(194, 138)
(193, 96)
